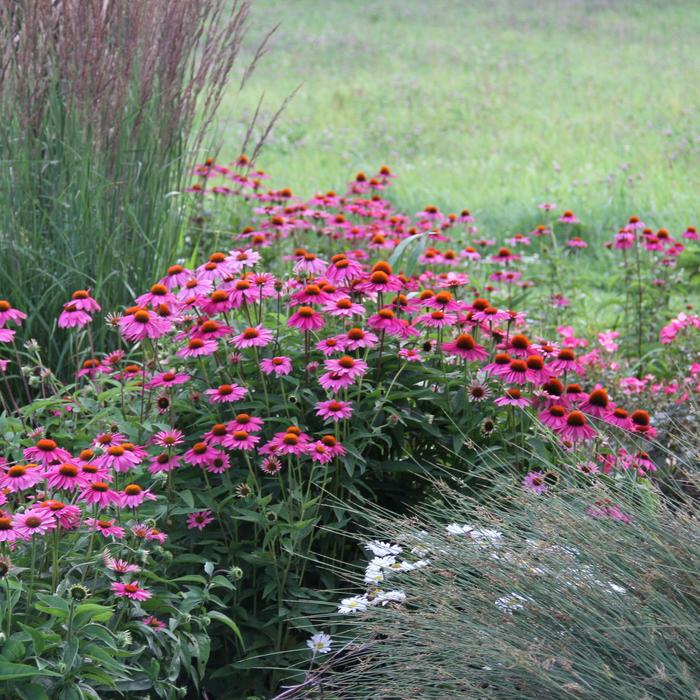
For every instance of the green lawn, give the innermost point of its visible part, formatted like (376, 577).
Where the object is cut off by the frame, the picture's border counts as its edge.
(494, 106)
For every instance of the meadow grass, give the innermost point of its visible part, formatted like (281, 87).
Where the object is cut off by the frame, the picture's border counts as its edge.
(494, 106)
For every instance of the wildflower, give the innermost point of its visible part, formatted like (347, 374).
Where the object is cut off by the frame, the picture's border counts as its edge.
(163, 462)
(36, 521)
(107, 528)
(597, 404)
(257, 337)
(352, 605)
(99, 493)
(334, 410)
(200, 454)
(168, 438)
(554, 417)
(410, 355)
(226, 393)
(513, 397)
(241, 440)
(7, 528)
(478, 391)
(78, 592)
(130, 590)
(197, 347)
(356, 339)
(576, 428)
(466, 347)
(271, 465)
(244, 421)
(382, 549)
(133, 496)
(7, 314)
(20, 477)
(154, 623)
(306, 319)
(279, 366)
(139, 323)
(68, 516)
(119, 458)
(199, 520)
(346, 366)
(517, 372)
(168, 379)
(319, 643)
(566, 362)
(71, 317)
(512, 602)
(568, 217)
(537, 372)
(343, 307)
(535, 483)
(46, 452)
(119, 566)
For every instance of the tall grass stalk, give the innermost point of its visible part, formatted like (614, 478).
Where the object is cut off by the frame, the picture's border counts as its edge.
(101, 103)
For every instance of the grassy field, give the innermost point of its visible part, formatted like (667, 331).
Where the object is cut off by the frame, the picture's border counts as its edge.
(494, 106)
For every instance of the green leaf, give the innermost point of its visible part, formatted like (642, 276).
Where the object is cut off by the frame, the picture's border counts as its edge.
(226, 620)
(31, 691)
(14, 672)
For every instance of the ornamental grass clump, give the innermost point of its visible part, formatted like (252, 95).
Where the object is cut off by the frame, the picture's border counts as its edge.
(532, 595)
(101, 104)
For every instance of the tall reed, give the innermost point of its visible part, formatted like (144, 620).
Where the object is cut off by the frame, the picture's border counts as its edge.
(101, 102)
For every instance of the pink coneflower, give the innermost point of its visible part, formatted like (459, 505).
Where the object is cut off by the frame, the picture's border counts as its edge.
(241, 440)
(168, 438)
(437, 319)
(537, 372)
(328, 346)
(119, 458)
(176, 277)
(566, 362)
(385, 320)
(293, 442)
(381, 280)
(575, 394)
(535, 483)
(641, 423)
(199, 520)
(89, 472)
(107, 528)
(278, 366)
(334, 410)
(197, 347)
(257, 337)
(99, 493)
(643, 463)
(576, 242)
(343, 270)
(106, 440)
(490, 315)
(410, 355)
(346, 365)
(343, 307)
(130, 590)
(200, 454)
(271, 465)
(356, 339)
(7, 314)
(36, 521)
(478, 391)
(513, 397)
(46, 452)
(92, 367)
(120, 566)
(64, 476)
(71, 317)
(466, 347)
(605, 509)
(619, 417)
(164, 462)
(20, 477)
(519, 346)
(219, 464)
(158, 294)
(7, 335)
(226, 393)
(335, 381)
(331, 447)
(554, 417)
(165, 379)
(597, 404)
(568, 217)
(133, 496)
(216, 435)
(7, 528)
(306, 319)
(208, 329)
(547, 206)
(500, 365)
(576, 428)
(67, 516)
(309, 264)
(143, 323)
(154, 623)
(244, 421)
(517, 372)
(218, 302)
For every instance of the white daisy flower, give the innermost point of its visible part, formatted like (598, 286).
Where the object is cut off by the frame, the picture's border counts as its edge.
(384, 597)
(382, 549)
(512, 602)
(373, 574)
(348, 606)
(320, 643)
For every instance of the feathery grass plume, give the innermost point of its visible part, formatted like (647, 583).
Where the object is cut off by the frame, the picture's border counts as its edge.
(101, 103)
(568, 594)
